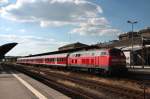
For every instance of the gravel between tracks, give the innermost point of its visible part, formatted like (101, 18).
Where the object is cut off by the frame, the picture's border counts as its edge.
(121, 82)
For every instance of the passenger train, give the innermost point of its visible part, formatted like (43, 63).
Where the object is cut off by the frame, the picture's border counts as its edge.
(106, 60)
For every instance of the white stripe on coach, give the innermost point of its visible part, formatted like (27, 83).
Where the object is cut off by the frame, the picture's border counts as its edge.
(33, 90)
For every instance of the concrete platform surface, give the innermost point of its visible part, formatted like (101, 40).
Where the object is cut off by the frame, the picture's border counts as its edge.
(15, 85)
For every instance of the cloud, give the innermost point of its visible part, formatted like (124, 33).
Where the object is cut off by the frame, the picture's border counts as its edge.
(3, 1)
(22, 30)
(95, 26)
(53, 11)
(84, 15)
(7, 29)
(31, 44)
(10, 29)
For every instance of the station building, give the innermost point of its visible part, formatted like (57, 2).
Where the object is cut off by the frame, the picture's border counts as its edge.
(141, 46)
(72, 46)
(11, 59)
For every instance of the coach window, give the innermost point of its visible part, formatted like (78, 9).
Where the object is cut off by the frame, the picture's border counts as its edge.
(54, 59)
(46, 60)
(62, 59)
(50, 59)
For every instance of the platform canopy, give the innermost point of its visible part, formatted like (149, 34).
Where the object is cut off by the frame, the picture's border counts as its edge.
(6, 48)
(146, 40)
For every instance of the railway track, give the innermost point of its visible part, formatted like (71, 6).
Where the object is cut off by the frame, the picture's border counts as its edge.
(115, 90)
(72, 92)
(83, 88)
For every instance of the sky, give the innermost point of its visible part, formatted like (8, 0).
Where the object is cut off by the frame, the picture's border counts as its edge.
(40, 26)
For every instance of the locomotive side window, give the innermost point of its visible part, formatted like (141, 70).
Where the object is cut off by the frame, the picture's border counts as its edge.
(78, 55)
(75, 60)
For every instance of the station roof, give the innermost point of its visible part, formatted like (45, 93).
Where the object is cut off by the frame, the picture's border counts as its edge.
(72, 46)
(6, 48)
(66, 51)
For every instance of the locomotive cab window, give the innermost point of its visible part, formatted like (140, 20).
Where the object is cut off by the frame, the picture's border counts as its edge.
(116, 52)
(103, 53)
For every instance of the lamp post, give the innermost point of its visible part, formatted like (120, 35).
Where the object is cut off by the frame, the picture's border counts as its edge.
(132, 24)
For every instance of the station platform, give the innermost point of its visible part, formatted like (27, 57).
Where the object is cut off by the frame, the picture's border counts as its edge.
(15, 85)
(139, 69)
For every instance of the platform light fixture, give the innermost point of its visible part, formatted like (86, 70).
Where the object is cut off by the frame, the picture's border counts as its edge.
(132, 24)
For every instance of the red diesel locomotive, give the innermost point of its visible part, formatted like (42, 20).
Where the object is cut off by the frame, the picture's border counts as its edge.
(102, 60)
